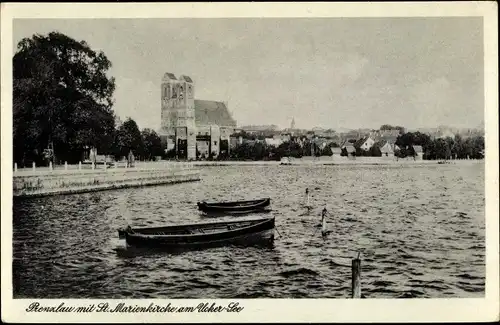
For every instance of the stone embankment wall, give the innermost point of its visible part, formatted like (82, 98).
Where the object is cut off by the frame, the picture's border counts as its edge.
(54, 182)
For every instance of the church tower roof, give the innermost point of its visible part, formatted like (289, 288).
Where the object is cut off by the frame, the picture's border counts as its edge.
(169, 76)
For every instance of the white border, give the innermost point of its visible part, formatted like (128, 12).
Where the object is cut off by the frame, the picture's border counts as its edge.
(270, 310)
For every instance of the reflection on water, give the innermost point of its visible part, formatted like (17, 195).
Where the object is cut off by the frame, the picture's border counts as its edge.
(420, 231)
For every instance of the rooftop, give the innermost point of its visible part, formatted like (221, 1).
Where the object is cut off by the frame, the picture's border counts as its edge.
(349, 147)
(187, 79)
(360, 142)
(209, 112)
(169, 76)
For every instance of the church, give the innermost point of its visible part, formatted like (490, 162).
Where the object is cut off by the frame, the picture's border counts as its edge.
(198, 128)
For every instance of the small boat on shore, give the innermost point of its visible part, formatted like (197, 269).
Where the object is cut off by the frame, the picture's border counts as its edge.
(202, 235)
(235, 206)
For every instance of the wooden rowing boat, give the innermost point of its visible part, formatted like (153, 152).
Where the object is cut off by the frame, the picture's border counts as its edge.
(202, 235)
(235, 206)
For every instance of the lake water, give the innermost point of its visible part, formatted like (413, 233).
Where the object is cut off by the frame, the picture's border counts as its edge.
(420, 231)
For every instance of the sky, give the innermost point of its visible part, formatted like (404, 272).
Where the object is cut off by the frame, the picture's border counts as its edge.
(338, 73)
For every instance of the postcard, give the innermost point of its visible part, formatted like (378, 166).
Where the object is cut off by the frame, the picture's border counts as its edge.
(250, 162)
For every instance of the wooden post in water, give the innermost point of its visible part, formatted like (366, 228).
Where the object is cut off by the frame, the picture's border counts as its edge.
(34, 166)
(50, 165)
(356, 278)
(15, 167)
(65, 165)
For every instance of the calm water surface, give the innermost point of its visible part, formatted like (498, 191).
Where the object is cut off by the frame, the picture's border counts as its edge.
(420, 231)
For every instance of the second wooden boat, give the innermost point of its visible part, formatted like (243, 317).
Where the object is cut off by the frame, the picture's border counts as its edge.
(235, 206)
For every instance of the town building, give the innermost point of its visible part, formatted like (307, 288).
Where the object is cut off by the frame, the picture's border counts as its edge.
(252, 129)
(196, 127)
(336, 151)
(273, 141)
(348, 147)
(387, 135)
(419, 152)
(235, 141)
(364, 143)
(386, 148)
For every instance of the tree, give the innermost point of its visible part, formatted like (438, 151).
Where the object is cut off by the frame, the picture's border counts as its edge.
(223, 149)
(62, 98)
(388, 127)
(477, 147)
(360, 152)
(375, 151)
(458, 149)
(327, 151)
(307, 148)
(128, 138)
(152, 146)
(169, 154)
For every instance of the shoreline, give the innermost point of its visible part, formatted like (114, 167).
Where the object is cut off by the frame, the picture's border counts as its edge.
(336, 162)
(170, 165)
(51, 183)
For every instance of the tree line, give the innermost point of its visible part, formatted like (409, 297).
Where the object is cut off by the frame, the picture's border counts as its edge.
(432, 149)
(262, 151)
(440, 148)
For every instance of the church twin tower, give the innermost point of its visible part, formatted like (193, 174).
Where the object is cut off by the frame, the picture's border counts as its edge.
(178, 113)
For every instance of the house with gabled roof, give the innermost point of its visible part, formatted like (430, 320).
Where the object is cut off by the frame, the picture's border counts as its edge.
(419, 152)
(364, 143)
(386, 148)
(348, 147)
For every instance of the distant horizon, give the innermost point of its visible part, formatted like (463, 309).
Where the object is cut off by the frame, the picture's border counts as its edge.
(352, 73)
